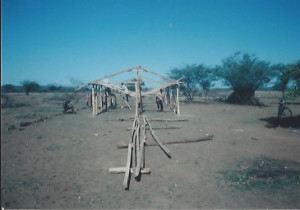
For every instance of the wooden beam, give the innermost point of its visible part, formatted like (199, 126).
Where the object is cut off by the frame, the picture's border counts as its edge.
(128, 166)
(127, 103)
(114, 74)
(118, 170)
(163, 147)
(161, 87)
(155, 73)
(140, 152)
(206, 138)
(168, 120)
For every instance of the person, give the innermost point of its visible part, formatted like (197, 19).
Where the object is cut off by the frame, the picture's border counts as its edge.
(125, 89)
(87, 98)
(68, 107)
(159, 100)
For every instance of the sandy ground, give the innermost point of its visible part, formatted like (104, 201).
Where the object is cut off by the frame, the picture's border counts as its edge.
(62, 161)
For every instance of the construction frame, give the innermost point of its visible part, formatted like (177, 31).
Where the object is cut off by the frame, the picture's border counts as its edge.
(135, 163)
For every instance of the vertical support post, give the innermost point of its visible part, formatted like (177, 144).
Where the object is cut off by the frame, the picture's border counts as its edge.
(96, 99)
(177, 100)
(106, 101)
(101, 98)
(136, 99)
(93, 99)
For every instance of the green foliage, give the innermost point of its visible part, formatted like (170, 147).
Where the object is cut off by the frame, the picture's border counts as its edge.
(243, 71)
(54, 88)
(9, 88)
(194, 75)
(30, 86)
(288, 79)
(245, 74)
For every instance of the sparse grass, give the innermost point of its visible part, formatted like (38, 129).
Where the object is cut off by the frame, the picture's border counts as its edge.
(265, 174)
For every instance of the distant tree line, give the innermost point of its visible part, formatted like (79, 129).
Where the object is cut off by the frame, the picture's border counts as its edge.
(244, 74)
(28, 86)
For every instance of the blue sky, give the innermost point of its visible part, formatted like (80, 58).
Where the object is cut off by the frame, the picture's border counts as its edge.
(64, 41)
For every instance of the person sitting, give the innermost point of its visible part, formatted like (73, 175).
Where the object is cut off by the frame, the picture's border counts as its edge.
(68, 107)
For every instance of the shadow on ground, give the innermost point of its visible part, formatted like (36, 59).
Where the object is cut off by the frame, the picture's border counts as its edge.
(287, 122)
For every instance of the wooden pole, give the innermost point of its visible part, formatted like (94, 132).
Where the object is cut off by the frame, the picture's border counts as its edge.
(136, 100)
(163, 147)
(144, 139)
(206, 138)
(95, 81)
(128, 166)
(106, 100)
(101, 99)
(160, 128)
(177, 100)
(118, 170)
(93, 99)
(140, 153)
(96, 99)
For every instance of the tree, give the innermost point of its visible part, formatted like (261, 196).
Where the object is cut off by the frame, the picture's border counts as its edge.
(54, 88)
(288, 79)
(9, 88)
(30, 86)
(245, 74)
(194, 75)
(204, 76)
(294, 73)
(189, 88)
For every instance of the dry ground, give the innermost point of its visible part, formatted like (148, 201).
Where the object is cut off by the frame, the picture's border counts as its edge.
(62, 161)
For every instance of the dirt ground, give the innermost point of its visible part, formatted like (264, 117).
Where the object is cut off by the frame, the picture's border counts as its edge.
(51, 160)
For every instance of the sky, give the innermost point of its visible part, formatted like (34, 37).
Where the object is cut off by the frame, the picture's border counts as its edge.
(67, 42)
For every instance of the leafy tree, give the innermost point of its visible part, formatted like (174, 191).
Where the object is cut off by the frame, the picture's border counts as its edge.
(194, 75)
(294, 73)
(189, 88)
(9, 88)
(288, 79)
(204, 76)
(245, 74)
(30, 86)
(54, 88)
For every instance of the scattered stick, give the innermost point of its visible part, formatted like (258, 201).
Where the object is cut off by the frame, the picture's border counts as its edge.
(163, 147)
(206, 138)
(159, 128)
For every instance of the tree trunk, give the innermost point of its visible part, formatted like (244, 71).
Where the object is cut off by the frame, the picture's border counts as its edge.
(243, 96)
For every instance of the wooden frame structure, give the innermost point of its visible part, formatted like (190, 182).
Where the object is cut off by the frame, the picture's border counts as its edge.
(136, 147)
(99, 99)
